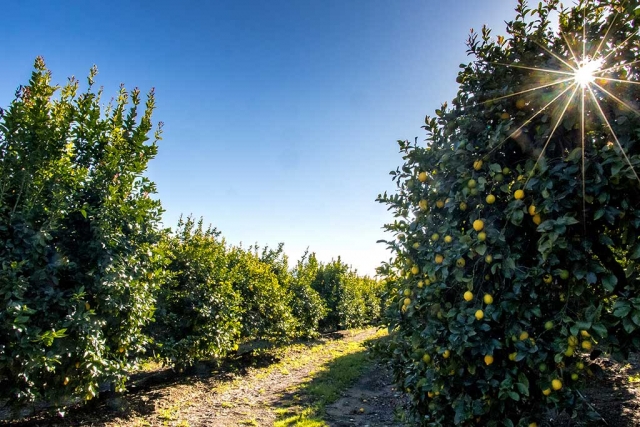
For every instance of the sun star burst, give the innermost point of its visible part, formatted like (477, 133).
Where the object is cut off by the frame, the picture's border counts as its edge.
(587, 71)
(584, 72)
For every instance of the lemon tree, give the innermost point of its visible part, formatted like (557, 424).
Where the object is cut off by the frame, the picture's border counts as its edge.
(78, 239)
(499, 322)
(198, 312)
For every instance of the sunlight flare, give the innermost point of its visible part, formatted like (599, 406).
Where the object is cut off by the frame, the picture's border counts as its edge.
(587, 71)
(589, 74)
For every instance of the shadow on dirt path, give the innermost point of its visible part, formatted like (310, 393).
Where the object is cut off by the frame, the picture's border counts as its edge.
(373, 401)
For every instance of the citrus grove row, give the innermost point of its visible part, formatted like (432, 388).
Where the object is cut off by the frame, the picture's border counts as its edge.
(90, 284)
(516, 231)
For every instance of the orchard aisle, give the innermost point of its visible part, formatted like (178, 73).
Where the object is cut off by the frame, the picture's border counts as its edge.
(295, 387)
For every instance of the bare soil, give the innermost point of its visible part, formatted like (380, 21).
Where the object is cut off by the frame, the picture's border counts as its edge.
(242, 392)
(249, 391)
(372, 402)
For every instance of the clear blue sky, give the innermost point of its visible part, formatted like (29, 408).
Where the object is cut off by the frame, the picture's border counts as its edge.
(281, 117)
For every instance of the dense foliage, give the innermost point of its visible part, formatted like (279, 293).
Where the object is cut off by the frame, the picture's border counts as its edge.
(198, 313)
(90, 284)
(351, 300)
(517, 225)
(78, 234)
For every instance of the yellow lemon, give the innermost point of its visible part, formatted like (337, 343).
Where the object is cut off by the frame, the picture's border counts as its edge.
(468, 296)
(415, 269)
(488, 359)
(463, 206)
(440, 204)
(488, 299)
(422, 204)
(435, 237)
(546, 391)
(422, 176)
(477, 165)
(488, 259)
(584, 333)
(448, 239)
(426, 358)
(471, 183)
(573, 341)
(569, 351)
(491, 199)
(532, 210)
(587, 345)
(478, 225)
(439, 259)
(556, 384)
(524, 335)
(547, 278)
(446, 354)
(512, 356)
(460, 262)
(519, 194)
(537, 219)
(479, 315)
(482, 236)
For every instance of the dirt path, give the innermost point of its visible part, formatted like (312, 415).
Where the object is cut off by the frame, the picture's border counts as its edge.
(260, 389)
(250, 398)
(250, 392)
(371, 402)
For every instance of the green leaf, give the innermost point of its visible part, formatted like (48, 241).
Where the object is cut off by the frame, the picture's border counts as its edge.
(582, 325)
(621, 308)
(635, 317)
(523, 389)
(516, 218)
(600, 330)
(609, 282)
(628, 325)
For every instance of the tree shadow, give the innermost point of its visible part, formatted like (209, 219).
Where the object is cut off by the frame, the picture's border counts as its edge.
(615, 398)
(358, 372)
(145, 388)
(609, 395)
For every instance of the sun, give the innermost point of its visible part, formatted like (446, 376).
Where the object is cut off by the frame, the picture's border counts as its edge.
(581, 79)
(587, 71)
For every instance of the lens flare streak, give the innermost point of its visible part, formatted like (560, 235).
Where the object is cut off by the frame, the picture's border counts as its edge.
(586, 74)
